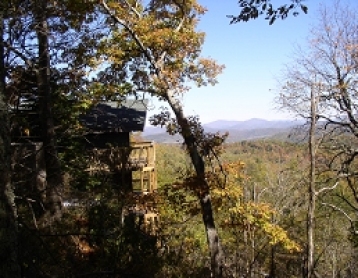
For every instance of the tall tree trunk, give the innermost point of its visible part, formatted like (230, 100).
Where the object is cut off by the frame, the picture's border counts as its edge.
(216, 252)
(203, 192)
(53, 168)
(311, 188)
(9, 265)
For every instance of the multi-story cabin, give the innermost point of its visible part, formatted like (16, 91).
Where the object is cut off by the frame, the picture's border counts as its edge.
(107, 129)
(109, 125)
(107, 136)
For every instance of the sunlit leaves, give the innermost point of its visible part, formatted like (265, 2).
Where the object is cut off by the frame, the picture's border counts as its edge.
(258, 217)
(238, 215)
(158, 46)
(233, 212)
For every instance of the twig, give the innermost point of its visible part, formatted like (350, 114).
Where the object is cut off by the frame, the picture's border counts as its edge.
(326, 188)
(340, 210)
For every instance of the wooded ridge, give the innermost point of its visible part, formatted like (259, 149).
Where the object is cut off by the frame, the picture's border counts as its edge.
(238, 130)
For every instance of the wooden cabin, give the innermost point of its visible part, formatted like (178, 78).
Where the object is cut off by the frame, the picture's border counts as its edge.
(109, 125)
(108, 138)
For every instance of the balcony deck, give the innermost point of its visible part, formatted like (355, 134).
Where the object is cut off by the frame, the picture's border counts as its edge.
(139, 158)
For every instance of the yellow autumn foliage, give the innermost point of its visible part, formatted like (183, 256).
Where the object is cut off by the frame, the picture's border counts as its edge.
(236, 214)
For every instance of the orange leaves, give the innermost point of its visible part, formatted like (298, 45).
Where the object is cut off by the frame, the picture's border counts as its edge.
(207, 68)
(203, 71)
(162, 36)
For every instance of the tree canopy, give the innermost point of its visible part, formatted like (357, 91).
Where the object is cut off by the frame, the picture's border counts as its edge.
(224, 210)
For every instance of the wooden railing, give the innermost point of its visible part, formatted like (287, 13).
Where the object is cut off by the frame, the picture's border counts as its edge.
(142, 154)
(142, 162)
(138, 158)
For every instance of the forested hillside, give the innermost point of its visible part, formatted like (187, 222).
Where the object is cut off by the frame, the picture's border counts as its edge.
(273, 176)
(238, 130)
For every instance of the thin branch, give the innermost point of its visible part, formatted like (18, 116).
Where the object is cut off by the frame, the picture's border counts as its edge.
(159, 63)
(326, 188)
(138, 41)
(133, 9)
(346, 201)
(339, 210)
(20, 55)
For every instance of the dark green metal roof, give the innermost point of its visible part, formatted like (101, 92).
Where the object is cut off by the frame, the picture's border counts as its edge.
(116, 116)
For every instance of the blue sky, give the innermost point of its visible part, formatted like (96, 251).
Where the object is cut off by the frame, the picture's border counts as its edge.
(254, 54)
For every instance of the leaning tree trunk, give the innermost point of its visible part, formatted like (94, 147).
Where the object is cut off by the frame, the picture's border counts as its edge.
(9, 265)
(203, 192)
(53, 169)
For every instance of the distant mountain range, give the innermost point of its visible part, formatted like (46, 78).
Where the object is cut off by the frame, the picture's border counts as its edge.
(238, 130)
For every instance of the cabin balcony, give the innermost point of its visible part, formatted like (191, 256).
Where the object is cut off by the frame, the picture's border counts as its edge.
(138, 158)
(142, 163)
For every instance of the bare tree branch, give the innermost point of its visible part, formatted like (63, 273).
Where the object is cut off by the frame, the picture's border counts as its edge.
(326, 188)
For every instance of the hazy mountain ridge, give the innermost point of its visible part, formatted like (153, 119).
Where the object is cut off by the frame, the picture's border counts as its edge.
(238, 130)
